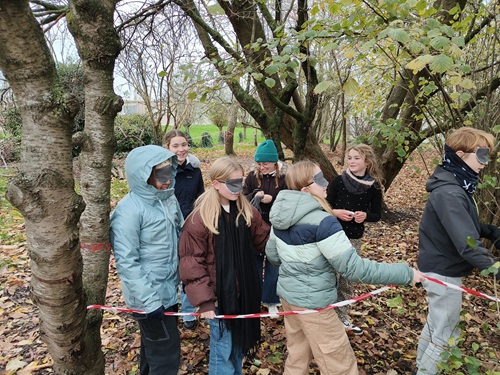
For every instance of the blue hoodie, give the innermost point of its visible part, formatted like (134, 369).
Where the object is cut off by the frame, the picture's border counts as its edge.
(145, 231)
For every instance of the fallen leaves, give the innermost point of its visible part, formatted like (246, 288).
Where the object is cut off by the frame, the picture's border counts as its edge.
(391, 321)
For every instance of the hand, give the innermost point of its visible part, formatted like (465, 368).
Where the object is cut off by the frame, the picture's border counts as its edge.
(259, 193)
(344, 215)
(418, 277)
(491, 233)
(360, 216)
(208, 315)
(157, 314)
(267, 198)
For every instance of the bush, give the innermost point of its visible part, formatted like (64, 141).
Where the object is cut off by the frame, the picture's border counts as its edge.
(132, 131)
(10, 147)
(206, 140)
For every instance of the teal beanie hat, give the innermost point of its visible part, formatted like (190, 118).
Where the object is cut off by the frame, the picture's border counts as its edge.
(266, 152)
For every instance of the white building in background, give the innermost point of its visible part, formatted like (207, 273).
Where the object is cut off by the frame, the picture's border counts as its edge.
(137, 107)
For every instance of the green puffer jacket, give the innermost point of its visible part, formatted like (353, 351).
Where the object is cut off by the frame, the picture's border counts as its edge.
(310, 248)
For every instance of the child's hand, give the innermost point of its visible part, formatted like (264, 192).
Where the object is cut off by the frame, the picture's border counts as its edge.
(344, 215)
(418, 277)
(208, 315)
(360, 216)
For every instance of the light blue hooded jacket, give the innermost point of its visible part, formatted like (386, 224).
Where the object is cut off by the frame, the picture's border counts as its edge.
(310, 247)
(145, 231)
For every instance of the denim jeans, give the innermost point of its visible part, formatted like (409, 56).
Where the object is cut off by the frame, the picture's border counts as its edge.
(160, 344)
(221, 361)
(270, 281)
(186, 306)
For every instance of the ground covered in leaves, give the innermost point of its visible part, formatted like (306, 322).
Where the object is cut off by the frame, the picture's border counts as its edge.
(391, 321)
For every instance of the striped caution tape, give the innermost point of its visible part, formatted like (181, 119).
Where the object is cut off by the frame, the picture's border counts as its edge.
(300, 312)
(462, 289)
(257, 315)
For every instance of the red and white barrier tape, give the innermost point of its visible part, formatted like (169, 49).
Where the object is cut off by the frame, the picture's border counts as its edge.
(258, 315)
(298, 312)
(462, 289)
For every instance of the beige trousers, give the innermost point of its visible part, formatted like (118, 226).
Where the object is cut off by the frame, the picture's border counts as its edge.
(319, 335)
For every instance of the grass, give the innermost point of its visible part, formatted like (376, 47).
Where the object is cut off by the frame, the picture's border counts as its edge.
(196, 132)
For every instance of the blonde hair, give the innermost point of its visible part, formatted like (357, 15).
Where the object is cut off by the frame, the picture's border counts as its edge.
(370, 159)
(467, 139)
(300, 175)
(209, 204)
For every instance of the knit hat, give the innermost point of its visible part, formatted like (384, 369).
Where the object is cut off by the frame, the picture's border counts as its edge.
(266, 152)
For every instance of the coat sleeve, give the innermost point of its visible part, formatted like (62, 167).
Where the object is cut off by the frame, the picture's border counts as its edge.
(201, 186)
(125, 239)
(272, 251)
(249, 186)
(193, 267)
(260, 232)
(340, 253)
(375, 210)
(452, 211)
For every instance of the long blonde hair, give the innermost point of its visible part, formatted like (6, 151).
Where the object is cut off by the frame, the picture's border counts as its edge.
(368, 155)
(300, 175)
(209, 204)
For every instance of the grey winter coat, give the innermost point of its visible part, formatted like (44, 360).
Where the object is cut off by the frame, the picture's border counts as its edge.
(448, 228)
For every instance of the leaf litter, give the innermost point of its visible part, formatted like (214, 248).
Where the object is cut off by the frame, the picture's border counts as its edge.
(391, 321)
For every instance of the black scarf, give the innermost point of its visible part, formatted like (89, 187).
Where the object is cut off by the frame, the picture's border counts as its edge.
(238, 284)
(464, 174)
(355, 184)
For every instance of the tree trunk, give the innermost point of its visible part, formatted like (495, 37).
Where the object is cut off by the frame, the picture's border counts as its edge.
(98, 46)
(231, 126)
(43, 191)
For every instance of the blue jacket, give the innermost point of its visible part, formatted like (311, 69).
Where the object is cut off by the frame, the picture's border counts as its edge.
(145, 231)
(310, 247)
(188, 184)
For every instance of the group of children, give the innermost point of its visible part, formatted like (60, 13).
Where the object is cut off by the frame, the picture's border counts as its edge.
(289, 239)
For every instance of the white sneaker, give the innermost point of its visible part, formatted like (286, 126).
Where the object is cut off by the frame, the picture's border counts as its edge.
(272, 308)
(351, 327)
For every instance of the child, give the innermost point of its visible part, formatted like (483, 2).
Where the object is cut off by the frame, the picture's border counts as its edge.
(264, 184)
(217, 265)
(145, 229)
(310, 248)
(188, 187)
(356, 197)
(449, 222)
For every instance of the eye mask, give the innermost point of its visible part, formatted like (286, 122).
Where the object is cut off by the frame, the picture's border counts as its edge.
(320, 180)
(234, 185)
(482, 155)
(164, 174)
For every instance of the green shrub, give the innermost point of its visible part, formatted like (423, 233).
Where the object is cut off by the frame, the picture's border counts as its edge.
(132, 131)
(10, 147)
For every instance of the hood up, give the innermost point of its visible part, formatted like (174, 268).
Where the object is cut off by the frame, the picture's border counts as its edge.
(138, 166)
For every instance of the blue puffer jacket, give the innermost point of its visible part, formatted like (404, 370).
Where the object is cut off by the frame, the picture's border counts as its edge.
(145, 231)
(310, 247)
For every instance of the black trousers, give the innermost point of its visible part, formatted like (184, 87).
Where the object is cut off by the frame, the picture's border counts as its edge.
(160, 344)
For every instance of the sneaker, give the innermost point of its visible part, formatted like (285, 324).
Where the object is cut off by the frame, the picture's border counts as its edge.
(272, 308)
(351, 327)
(190, 324)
